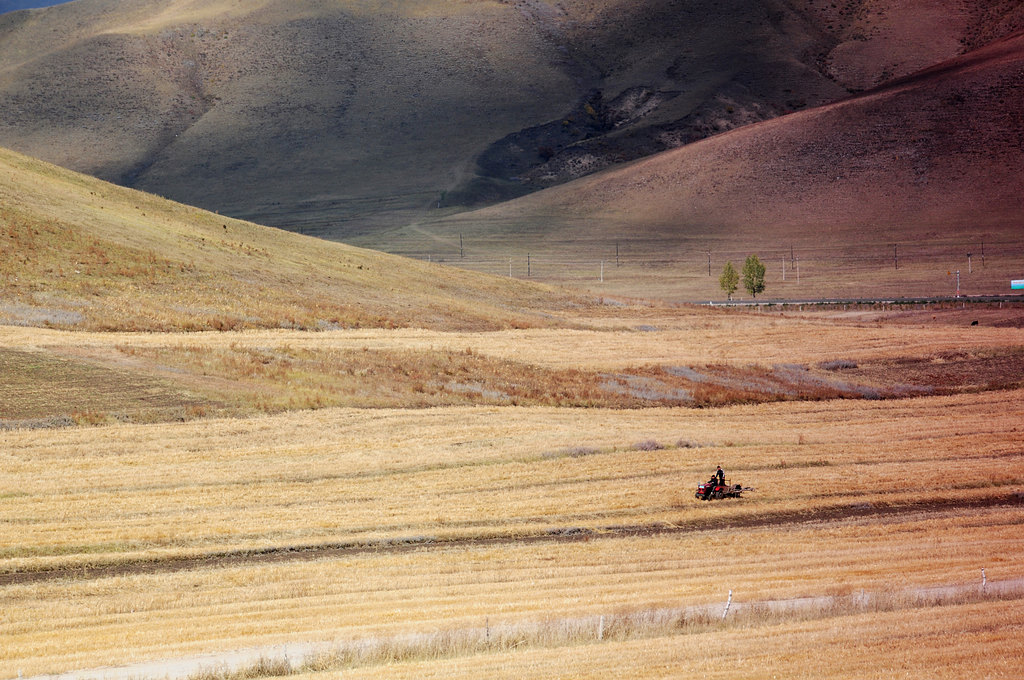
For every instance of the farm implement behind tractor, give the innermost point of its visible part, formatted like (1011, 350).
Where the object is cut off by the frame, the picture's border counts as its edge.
(712, 490)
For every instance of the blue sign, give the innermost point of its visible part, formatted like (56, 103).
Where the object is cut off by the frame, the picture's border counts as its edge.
(1017, 285)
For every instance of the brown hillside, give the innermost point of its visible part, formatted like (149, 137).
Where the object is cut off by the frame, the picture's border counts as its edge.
(930, 159)
(76, 252)
(333, 117)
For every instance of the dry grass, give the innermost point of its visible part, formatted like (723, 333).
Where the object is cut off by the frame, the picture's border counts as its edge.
(414, 521)
(268, 378)
(634, 358)
(513, 590)
(455, 646)
(128, 492)
(670, 265)
(896, 471)
(41, 389)
(80, 253)
(886, 646)
(846, 490)
(296, 520)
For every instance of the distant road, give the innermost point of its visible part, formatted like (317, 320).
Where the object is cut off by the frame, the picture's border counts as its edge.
(973, 299)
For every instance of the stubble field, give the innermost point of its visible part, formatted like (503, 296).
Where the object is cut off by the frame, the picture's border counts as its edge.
(489, 540)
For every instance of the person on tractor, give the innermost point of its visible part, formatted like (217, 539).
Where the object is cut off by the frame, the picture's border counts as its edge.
(719, 477)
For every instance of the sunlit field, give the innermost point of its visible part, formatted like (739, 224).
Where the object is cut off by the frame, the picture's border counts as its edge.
(402, 470)
(895, 644)
(612, 358)
(129, 542)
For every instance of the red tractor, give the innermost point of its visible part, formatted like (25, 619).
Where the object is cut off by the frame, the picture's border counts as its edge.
(712, 490)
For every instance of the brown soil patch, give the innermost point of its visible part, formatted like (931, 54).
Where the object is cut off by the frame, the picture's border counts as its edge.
(946, 372)
(38, 389)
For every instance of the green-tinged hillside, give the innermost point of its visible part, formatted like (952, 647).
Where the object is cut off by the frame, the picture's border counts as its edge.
(80, 253)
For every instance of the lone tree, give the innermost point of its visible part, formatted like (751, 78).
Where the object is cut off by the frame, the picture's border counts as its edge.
(753, 275)
(729, 279)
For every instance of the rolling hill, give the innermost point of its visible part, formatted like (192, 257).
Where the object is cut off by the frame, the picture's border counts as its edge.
(80, 253)
(884, 193)
(340, 118)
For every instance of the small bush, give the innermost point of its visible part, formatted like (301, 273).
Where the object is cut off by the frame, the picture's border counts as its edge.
(580, 451)
(837, 364)
(571, 452)
(648, 445)
(89, 418)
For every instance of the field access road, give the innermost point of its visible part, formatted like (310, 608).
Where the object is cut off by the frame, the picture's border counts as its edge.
(768, 302)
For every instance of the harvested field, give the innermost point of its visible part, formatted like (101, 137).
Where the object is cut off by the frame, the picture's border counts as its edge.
(32, 383)
(462, 517)
(137, 535)
(627, 359)
(887, 645)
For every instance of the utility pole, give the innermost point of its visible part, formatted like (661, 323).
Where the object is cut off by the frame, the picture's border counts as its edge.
(970, 270)
(462, 254)
(602, 271)
(783, 267)
(896, 255)
(958, 283)
(616, 254)
(527, 265)
(709, 262)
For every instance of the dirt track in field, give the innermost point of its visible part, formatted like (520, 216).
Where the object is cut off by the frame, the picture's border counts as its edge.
(561, 534)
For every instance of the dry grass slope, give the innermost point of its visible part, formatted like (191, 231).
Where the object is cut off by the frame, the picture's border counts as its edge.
(80, 253)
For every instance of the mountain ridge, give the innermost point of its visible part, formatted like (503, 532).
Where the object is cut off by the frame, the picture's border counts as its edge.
(933, 161)
(342, 118)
